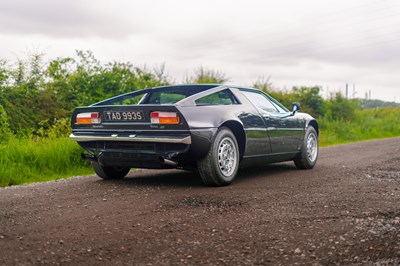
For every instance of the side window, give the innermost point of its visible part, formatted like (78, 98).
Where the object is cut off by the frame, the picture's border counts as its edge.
(219, 98)
(260, 101)
(280, 109)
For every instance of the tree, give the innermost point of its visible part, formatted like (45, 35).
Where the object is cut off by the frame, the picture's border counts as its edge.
(204, 75)
(264, 85)
(4, 73)
(37, 94)
(341, 108)
(310, 99)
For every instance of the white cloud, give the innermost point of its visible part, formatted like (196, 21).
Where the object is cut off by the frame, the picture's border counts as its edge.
(66, 19)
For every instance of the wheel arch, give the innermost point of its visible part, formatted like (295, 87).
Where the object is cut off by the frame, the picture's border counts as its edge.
(240, 135)
(314, 124)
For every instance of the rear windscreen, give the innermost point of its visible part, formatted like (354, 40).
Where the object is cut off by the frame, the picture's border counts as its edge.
(173, 95)
(161, 95)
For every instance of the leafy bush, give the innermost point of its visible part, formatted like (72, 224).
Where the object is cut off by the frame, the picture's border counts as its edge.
(340, 108)
(5, 132)
(36, 94)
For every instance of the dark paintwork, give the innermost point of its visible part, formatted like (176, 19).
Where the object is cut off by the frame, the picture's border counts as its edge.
(262, 137)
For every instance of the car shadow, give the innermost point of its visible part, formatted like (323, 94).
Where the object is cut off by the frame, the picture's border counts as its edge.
(182, 178)
(164, 178)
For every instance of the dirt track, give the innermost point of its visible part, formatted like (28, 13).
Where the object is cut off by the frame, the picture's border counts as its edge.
(344, 211)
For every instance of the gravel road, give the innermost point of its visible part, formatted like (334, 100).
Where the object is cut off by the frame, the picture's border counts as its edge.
(346, 211)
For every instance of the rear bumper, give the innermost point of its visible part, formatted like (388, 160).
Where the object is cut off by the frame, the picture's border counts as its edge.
(145, 149)
(134, 154)
(132, 138)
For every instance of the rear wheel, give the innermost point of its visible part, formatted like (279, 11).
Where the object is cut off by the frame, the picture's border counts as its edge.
(110, 172)
(309, 151)
(219, 167)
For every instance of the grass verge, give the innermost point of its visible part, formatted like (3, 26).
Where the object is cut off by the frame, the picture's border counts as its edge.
(366, 125)
(25, 160)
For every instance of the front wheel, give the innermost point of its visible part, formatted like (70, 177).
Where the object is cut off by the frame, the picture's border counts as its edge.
(110, 172)
(219, 167)
(309, 151)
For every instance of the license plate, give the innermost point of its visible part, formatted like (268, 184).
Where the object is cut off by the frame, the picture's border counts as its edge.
(123, 116)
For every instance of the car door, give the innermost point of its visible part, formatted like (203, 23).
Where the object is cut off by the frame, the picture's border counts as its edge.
(284, 129)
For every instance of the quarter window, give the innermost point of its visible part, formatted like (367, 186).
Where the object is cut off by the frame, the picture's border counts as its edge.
(219, 98)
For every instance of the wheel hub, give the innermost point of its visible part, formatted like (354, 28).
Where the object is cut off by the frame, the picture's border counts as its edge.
(227, 156)
(312, 147)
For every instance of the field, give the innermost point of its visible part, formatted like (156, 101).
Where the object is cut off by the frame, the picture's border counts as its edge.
(366, 124)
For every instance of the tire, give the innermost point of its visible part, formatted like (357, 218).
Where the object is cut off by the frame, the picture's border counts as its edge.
(309, 151)
(219, 167)
(110, 172)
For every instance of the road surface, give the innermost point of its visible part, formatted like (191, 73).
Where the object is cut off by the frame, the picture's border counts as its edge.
(344, 211)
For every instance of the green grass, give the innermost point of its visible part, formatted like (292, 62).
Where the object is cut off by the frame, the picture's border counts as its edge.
(366, 125)
(25, 160)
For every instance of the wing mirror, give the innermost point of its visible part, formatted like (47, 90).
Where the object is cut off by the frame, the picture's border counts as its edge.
(295, 108)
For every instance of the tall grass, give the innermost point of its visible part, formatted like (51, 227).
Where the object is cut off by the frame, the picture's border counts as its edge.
(366, 124)
(27, 160)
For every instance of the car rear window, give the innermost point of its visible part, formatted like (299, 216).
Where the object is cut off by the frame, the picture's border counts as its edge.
(171, 95)
(165, 97)
(160, 95)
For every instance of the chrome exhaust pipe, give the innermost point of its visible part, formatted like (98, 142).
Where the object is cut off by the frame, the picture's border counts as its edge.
(89, 157)
(168, 162)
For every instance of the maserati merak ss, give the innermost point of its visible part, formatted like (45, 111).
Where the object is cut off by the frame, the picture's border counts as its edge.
(213, 129)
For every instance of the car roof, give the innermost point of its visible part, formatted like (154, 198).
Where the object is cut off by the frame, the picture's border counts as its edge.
(201, 87)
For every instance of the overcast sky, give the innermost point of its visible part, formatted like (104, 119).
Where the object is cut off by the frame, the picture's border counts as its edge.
(291, 43)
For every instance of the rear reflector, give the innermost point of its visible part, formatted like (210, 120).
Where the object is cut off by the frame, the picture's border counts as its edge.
(164, 118)
(88, 118)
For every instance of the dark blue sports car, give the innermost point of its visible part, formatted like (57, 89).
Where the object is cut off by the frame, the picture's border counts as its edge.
(211, 128)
